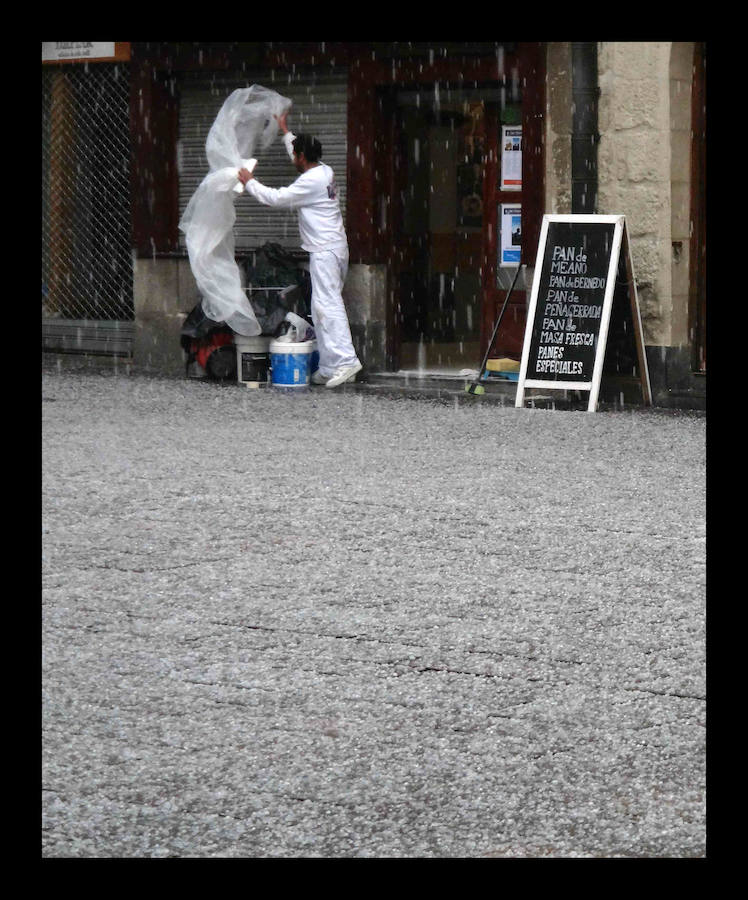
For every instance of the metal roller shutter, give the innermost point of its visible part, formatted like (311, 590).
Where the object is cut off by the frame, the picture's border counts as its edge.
(319, 106)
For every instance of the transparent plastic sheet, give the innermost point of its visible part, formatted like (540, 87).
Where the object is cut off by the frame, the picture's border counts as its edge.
(245, 122)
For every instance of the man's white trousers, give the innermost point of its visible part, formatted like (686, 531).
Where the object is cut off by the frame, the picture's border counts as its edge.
(328, 269)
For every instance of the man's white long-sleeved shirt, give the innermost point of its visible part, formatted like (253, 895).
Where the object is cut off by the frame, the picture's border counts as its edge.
(315, 196)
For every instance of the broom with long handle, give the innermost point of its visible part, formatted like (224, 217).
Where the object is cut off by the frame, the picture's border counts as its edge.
(475, 387)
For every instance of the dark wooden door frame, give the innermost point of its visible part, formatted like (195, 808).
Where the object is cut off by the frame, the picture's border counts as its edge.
(375, 177)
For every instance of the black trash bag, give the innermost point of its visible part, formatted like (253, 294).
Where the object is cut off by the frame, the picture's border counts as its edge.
(208, 343)
(197, 326)
(285, 287)
(279, 285)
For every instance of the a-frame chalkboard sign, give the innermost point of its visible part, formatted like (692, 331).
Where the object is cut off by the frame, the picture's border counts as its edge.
(583, 271)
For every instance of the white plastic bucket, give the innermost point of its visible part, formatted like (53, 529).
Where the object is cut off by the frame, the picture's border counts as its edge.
(292, 364)
(252, 359)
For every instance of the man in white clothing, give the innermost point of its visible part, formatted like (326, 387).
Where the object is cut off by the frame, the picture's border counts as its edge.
(314, 195)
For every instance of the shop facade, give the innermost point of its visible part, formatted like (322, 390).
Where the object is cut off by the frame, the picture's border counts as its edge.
(447, 156)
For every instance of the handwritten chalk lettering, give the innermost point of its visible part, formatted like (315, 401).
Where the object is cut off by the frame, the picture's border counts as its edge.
(569, 253)
(569, 261)
(580, 338)
(559, 366)
(571, 294)
(577, 310)
(569, 268)
(550, 352)
(578, 281)
(562, 296)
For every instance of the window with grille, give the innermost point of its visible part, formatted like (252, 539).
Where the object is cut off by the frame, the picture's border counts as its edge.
(87, 265)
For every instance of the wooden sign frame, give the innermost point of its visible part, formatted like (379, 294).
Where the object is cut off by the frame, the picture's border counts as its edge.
(589, 381)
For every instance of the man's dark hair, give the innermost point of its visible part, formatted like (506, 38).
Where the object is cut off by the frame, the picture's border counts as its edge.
(308, 145)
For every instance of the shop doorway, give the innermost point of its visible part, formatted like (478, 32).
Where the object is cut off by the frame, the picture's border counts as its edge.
(446, 283)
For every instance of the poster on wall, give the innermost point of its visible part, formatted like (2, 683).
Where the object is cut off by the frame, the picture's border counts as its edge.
(511, 158)
(511, 234)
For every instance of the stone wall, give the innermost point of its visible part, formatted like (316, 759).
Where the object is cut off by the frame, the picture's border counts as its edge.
(634, 168)
(165, 292)
(365, 297)
(644, 173)
(681, 77)
(558, 129)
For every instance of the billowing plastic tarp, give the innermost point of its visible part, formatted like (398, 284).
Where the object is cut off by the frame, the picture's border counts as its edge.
(245, 122)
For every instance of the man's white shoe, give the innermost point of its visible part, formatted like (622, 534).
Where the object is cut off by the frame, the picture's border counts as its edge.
(319, 378)
(348, 373)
